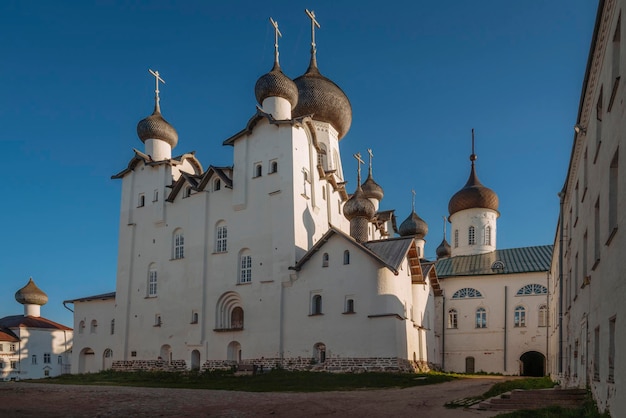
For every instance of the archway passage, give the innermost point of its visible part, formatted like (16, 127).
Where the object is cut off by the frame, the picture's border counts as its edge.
(87, 361)
(533, 364)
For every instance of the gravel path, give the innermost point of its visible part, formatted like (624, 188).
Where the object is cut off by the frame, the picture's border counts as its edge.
(19, 399)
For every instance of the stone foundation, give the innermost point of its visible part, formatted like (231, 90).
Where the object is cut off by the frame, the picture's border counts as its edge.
(149, 365)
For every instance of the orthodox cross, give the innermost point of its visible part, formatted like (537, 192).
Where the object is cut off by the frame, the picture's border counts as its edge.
(369, 151)
(413, 203)
(276, 35)
(314, 23)
(359, 160)
(444, 226)
(157, 78)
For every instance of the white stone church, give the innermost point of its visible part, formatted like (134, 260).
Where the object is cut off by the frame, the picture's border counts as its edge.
(274, 261)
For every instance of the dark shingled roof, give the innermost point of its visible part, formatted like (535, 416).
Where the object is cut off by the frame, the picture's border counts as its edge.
(515, 260)
(15, 321)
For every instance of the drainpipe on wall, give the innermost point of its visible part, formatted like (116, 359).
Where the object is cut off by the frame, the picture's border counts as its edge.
(506, 310)
(561, 202)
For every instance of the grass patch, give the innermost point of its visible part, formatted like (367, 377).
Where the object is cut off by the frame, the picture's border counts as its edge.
(588, 410)
(274, 381)
(526, 384)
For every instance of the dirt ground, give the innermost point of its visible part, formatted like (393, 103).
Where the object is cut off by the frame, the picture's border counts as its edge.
(19, 399)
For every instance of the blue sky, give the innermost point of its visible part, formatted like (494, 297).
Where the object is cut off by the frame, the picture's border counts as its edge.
(420, 75)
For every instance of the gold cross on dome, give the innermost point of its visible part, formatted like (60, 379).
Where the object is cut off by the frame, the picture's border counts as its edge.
(314, 23)
(157, 78)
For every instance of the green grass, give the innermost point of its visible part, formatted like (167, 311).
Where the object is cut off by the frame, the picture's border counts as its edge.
(588, 410)
(274, 381)
(526, 384)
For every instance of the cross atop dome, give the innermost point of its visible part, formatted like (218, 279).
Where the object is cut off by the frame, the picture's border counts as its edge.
(314, 23)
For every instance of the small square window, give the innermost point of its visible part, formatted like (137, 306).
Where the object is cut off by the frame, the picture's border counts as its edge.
(133, 354)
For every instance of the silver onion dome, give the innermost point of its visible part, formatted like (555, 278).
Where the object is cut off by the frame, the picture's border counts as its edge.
(358, 206)
(413, 225)
(276, 84)
(371, 189)
(156, 127)
(31, 295)
(444, 250)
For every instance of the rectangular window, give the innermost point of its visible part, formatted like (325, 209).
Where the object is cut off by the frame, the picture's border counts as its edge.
(471, 236)
(596, 354)
(1, 365)
(245, 273)
(585, 254)
(596, 234)
(599, 115)
(141, 200)
(155, 195)
(157, 320)
(14, 364)
(152, 283)
(34, 359)
(46, 358)
(612, 349)
(613, 198)
(577, 194)
(585, 175)
(221, 236)
(575, 282)
(179, 246)
(616, 58)
(11, 347)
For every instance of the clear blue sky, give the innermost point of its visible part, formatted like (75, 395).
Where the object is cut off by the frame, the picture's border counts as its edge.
(419, 74)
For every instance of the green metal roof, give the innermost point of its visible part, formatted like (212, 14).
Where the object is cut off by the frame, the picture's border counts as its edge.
(512, 260)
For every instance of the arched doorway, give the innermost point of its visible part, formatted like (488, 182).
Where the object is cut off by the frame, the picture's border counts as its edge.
(195, 360)
(319, 351)
(107, 359)
(87, 361)
(234, 352)
(532, 363)
(166, 353)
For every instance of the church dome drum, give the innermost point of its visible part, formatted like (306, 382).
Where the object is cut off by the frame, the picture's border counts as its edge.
(156, 127)
(413, 226)
(276, 84)
(31, 295)
(321, 97)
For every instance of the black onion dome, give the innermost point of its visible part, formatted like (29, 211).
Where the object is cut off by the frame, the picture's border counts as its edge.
(31, 295)
(155, 127)
(276, 84)
(413, 226)
(444, 250)
(358, 206)
(321, 97)
(371, 189)
(473, 195)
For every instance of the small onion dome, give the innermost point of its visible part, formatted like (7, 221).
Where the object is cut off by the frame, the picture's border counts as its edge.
(444, 250)
(371, 189)
(276, 84)
(321, 97)
(155, 127)
(413, 226)
(31, 295)
(473, 195)
(358, 206)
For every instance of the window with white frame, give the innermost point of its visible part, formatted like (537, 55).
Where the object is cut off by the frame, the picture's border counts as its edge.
(245, 267)
(81, 327)
(14, 364)
(543, 315)
(519, 318)
(456, 238)
(316, 305)
(481, 318)
(152, 282)
(273, 167)
(141, 200)
(488, 235)
(453, 319)
(221, 235)
(112, 326)
(467, 293)
(34, 359)
(46, 358)
(179, 244)
(532, 290)
(471, 235)
(258, 170)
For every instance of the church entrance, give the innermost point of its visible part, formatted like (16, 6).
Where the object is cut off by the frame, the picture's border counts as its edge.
(87, 361)
(107, 359)
(469, 365)
(195, 360)
(532, 364)
(234, 352)
(166, 353)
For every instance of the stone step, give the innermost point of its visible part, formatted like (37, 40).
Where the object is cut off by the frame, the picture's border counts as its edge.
(535, 399)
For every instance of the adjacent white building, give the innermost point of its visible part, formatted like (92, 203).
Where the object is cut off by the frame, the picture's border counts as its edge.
(31, 346)
(271, 261)
(588, 269)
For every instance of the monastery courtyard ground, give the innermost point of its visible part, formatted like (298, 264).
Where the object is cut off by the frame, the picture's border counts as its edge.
(51, 400)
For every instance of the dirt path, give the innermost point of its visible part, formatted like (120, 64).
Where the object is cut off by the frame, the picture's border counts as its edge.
(45, 400)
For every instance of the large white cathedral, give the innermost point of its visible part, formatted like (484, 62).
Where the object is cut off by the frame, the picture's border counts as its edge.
(272, 262)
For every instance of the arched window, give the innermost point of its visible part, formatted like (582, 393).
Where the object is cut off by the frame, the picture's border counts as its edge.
(217, 185)
(319, 351)
(456, 238)
(488, 235)
(221, 235)
(325, 259)
(187, 191)
(112, 326)
(453, 319)
(543, 316)
(152, 281)
(467, 293)
(519, 319)
(316, 305)
(346, 257)
(258, 170)
(481, 318)
(81, 327)
(273, 167)
(236, 318)
(349, 306)
(471, 236)
(94, 326)
(179, 244)
(321, 157)
(194, 317)
(532, 290)
(245, 267)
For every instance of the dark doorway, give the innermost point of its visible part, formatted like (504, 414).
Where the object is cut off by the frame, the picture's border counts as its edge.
(469, 365)
(533, 364)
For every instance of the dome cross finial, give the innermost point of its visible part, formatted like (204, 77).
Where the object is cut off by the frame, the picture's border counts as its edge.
(473, 157)
(314, 23)
(413, 201)
(445, 219)
(360, 161)
(157, 78)
(369, 151)
(277, 34)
